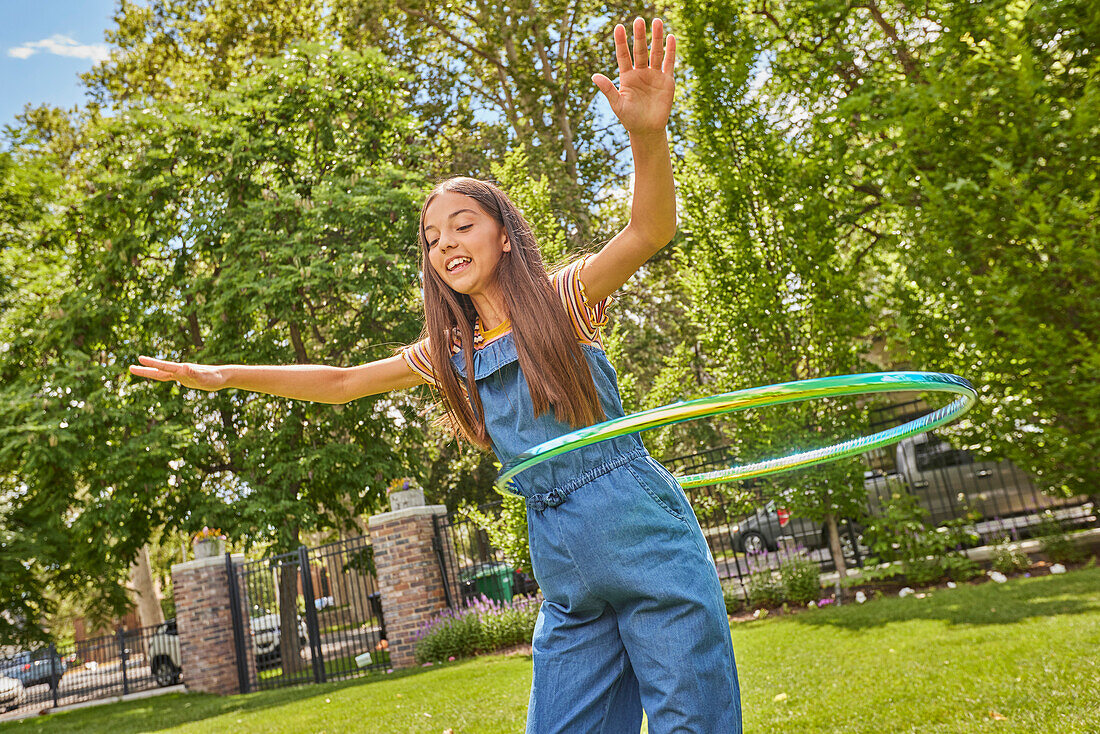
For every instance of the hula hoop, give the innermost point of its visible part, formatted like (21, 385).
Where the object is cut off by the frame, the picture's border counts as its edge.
(757, 397)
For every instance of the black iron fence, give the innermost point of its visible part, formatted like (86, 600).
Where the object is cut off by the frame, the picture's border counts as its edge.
(472, 566)
(749, 527)
(59, 675)
(309, 616)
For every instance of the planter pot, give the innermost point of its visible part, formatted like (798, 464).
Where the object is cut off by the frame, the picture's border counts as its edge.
(209, 548)
(406, 498)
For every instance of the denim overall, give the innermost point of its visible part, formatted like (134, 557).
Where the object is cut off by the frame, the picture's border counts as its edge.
(633, 613)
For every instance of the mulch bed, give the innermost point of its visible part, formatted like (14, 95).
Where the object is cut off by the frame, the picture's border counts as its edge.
(891, 587)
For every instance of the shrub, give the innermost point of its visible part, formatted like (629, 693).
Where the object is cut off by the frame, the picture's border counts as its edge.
(508, 625)
(1008, 558)
(507, 531)
(925, 571)
(765, 589)
(1056, 544)
(801, 580)
(733, 600)
(958, 567)
(484, 625)
(451, 633)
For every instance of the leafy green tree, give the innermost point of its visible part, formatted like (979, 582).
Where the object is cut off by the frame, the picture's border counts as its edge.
(40, 565)
(493, 76)
(774, 292)
(274, 223)
(184, 49)
(960, 146)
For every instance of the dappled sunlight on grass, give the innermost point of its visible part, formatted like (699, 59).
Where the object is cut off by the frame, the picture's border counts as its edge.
(1015, 657)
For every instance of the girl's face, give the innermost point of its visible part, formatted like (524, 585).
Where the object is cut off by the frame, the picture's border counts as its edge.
(464, 243)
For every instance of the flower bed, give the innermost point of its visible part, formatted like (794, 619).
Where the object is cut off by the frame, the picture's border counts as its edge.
(485, 625)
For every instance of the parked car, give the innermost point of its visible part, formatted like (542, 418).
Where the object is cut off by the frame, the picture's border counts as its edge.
(33, 668)
(164, 654)
(769, 525)
(266, 638)
(164, 646)
(948, 483)
(11, 693)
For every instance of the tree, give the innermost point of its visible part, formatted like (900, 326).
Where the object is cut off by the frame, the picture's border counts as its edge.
(961, 147)
(274, 223)
(774, 290)
(491, 76)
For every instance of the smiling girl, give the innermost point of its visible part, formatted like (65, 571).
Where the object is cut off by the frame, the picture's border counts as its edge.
(633, 614)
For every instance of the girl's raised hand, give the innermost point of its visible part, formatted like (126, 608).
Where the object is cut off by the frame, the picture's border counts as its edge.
(643, 100)
(195, 376)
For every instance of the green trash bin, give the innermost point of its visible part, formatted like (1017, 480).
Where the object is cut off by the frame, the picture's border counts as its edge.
(494, 580)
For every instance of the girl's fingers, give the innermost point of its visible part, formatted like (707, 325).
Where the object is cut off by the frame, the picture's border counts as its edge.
(158, 363)
(158, 369)
(622, 53)
(657, 47)
(151, 373)
(641, 52)
(670, 55)
(608, 88)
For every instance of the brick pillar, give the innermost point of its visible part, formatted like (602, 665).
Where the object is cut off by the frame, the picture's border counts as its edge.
(408, 575)
(208, 654)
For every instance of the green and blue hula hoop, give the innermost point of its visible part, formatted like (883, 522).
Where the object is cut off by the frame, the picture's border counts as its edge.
(759, 397)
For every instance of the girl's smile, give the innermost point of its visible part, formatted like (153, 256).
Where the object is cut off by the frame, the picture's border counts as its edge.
(465, 244)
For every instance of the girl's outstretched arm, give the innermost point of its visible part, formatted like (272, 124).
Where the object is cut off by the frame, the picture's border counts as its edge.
(642, 103)
(313, 382)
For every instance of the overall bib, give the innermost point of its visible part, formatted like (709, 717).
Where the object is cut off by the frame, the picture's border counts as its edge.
(633, 614)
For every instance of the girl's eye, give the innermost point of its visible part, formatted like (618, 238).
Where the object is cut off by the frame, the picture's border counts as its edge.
(464, 227)
(432, 243)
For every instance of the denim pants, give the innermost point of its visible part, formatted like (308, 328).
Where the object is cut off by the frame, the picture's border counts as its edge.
(633, 615)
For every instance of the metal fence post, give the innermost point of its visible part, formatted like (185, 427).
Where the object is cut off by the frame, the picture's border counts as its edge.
(121, 634)
(239, 644)
(437, 546)
(55, 674)
(312, 627)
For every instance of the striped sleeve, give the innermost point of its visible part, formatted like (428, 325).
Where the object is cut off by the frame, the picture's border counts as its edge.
(416, 356)
(588, 318)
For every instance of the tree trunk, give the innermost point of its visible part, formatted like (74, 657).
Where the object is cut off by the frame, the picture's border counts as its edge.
(835, 548)
(288, 619)
(143, 591)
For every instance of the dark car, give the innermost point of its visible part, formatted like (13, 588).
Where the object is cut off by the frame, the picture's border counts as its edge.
(771, 524)
(33, 668)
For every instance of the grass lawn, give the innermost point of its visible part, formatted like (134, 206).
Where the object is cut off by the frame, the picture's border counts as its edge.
(1017, 657)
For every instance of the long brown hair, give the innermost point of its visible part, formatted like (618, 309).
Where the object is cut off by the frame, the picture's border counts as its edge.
(552, 361)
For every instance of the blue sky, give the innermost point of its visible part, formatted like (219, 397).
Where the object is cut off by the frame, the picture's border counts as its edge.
(44, 46)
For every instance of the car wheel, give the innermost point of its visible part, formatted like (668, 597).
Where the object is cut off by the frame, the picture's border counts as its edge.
(753, 543)
(165, 672)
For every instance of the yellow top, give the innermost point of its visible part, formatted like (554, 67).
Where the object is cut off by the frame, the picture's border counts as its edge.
(587, 319)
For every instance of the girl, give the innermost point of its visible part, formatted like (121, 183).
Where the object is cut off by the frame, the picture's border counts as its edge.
(633, 614)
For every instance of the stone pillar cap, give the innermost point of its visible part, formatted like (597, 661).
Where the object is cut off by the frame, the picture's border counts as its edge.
(204, 562)
(422, 511)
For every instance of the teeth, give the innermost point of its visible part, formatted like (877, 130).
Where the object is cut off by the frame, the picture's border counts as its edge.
(456, 262)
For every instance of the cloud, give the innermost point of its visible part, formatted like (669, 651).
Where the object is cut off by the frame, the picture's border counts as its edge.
(61, 46)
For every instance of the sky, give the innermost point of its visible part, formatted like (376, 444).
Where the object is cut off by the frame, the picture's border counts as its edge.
(44, 46)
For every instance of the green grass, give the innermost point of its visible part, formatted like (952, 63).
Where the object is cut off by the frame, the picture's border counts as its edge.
(333, 667)
(1028, 650)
